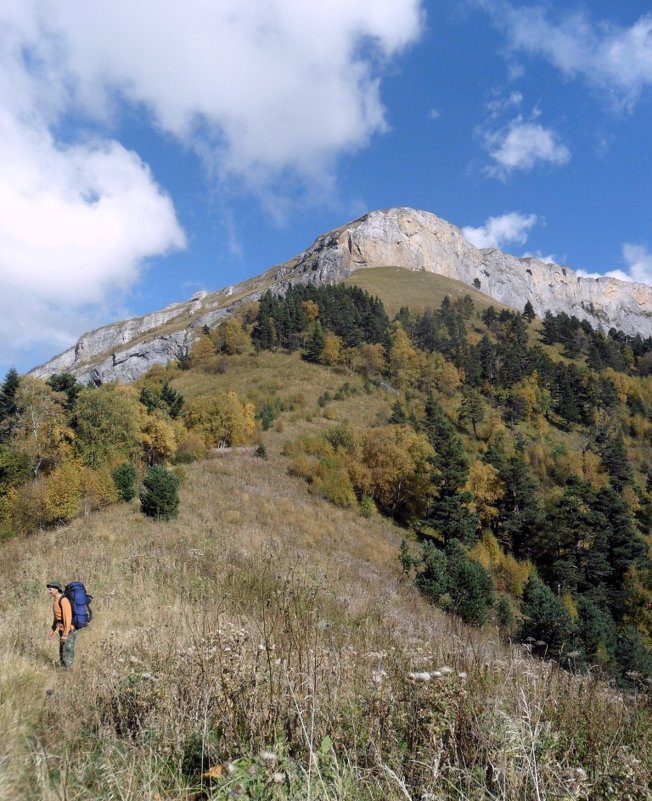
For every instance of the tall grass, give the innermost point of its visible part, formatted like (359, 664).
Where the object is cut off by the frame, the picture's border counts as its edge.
(264, 646)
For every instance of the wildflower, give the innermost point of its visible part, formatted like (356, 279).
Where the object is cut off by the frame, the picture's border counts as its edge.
(268, 758)
(446, 670)
(461, 675)
(278, 778)
(420, 676)
(378, 676)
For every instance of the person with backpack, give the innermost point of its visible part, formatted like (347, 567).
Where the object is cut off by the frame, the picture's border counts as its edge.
(62, 623)
(71, 612)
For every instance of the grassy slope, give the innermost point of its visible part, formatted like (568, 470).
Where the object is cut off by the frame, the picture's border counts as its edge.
(397, 287)
(187, 614)
(266, 618)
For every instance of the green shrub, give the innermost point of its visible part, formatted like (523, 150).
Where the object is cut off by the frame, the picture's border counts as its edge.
(158, 497)
(124, 478)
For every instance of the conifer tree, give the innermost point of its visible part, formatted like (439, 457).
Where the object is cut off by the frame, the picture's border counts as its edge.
(315, 344)
(8, 405)
(519, 510)
(545, 618)
(449, 512)
(625, 545)
(472, 409)
(158, 497)
(616, 462)
(528, 311)
(469, 585)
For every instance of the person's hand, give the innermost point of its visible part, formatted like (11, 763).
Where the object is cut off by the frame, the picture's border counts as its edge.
(64, 637)
(50, 634)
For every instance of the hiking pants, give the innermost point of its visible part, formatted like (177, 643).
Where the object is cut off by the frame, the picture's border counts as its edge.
(67, 649)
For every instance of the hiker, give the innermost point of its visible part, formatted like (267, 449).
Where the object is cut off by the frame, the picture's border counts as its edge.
(62, 624)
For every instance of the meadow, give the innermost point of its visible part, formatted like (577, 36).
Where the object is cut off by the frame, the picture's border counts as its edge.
(265, 645)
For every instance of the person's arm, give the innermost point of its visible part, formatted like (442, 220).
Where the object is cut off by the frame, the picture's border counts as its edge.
(53, 627)
(66, 613)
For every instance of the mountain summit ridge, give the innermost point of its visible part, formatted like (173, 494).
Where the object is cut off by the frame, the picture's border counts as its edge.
(398, 237)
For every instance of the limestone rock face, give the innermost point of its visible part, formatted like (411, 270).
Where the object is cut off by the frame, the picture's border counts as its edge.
(414, 240)
(417, 240)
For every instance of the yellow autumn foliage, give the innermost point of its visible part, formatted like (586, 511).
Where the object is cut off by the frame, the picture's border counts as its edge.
(223, 420)
(201, 352)
(332, 350)
(509, 573)
(487, 490)
(62, 497)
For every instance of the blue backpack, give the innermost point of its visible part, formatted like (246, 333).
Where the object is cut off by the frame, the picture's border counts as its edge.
(80, 602)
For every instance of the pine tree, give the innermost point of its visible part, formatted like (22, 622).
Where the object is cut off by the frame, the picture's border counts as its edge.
(472, 409)
(528, 311)
(159, 497)
(469, 585)
(432, 578)
(8, 407)
(124, 478)
(519, 511)
(449, 512)
(315, 344)
(545, 618)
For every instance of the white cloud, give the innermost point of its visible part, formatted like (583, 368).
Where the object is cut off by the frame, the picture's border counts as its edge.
(265, 91)
(267, 85)
(500, 104)
(76, 226)
(616, 58)
(497, 232)
(522, 145)
(76, 222)
(639, 266)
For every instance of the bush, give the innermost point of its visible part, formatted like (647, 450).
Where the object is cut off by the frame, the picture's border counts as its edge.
(124, 478)
(159, 497)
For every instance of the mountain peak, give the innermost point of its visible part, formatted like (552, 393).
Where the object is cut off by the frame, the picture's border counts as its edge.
(397, 237)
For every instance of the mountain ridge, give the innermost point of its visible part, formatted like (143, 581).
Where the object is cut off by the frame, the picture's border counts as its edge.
(398, 237)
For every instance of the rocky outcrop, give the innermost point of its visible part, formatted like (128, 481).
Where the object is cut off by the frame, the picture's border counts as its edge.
(414, 240)
(417, 240)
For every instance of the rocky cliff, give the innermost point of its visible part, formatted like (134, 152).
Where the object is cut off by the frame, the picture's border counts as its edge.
(415, 240)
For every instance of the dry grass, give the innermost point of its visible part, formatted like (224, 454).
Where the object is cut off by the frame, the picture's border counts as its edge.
(263, 619)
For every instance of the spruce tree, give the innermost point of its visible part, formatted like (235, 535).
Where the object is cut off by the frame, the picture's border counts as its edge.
(432, 578)
(615, 460)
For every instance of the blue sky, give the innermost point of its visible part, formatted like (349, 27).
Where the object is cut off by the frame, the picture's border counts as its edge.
(149, 150)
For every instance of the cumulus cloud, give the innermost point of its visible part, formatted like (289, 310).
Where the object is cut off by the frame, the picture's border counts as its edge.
(612, 57)
(497, 232)
(265, 91)
(522, 145)
(638, 268)
(267, 85)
